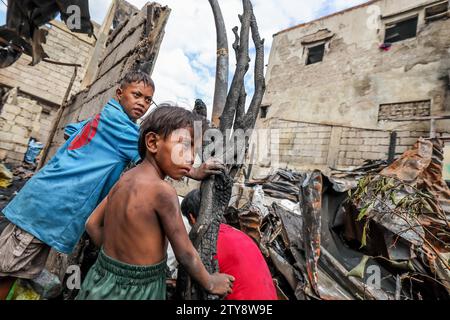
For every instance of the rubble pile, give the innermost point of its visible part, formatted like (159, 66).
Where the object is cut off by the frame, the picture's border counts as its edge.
(377, 232)
(12, 179)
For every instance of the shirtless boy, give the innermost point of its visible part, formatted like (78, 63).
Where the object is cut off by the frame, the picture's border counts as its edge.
(141, 212)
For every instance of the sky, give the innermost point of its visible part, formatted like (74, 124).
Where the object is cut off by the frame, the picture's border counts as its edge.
(185, 69)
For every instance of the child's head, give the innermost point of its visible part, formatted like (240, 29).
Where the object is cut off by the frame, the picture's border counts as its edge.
(190, 206)
(135, 94)
(167, 136)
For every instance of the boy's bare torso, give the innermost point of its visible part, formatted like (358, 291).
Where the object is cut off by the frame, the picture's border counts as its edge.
(132, 230)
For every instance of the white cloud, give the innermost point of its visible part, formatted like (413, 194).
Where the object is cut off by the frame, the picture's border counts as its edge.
(186, 63)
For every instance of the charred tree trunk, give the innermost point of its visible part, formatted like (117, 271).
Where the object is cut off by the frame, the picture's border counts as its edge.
(246, 120)
(216, 191)
(221, 87)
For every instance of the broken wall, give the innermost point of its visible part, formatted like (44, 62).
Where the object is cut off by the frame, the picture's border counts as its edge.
(39, 90)
(19, 120)
(357, 84)
(46, 81)
(133, 44)
(306, 146)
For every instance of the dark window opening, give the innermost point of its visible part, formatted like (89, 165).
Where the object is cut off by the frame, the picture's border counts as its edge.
(264, 110)
(315, 54)
(437, 11)
(401, 30)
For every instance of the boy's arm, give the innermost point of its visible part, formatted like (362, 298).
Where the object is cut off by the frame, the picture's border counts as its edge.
(168, 210)
(94, 224)
(206, 169)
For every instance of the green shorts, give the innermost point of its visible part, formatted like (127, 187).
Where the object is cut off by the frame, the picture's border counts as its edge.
(110, 279)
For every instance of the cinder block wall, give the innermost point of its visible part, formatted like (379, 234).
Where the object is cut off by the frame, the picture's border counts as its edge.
(19, 120)
(301, 145)
(355, 96)
(302, 142)
(39, 90)
(47, 81)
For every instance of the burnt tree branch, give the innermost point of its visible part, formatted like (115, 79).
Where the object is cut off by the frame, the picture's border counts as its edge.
(226, 120)
(260, 82)
(240, 108)
(222, 67)
(247, 121)
(216, 191)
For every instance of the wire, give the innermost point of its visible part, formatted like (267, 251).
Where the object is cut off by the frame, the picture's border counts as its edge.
(4, 3)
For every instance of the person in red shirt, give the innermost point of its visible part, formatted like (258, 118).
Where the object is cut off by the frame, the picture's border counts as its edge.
(237, 255)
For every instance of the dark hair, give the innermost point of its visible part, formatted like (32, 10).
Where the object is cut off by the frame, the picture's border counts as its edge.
(163, 121)
(191, 204)
(137, 76)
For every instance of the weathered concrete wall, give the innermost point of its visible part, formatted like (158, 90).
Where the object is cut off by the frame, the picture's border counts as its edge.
(19, 120)
(356, 79)
(306, 146)
(47, 81)
(39, 90)
(133, 44)
(45, 123)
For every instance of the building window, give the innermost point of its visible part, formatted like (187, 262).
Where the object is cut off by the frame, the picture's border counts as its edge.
(404, 110)
(315, 54)
(437, 11)
(402, 30)
(264, 110)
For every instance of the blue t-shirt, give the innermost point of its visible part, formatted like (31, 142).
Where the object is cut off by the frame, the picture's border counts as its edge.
(56, 202)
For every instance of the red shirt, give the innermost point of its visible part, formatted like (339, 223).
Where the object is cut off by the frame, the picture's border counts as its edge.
(239, 256)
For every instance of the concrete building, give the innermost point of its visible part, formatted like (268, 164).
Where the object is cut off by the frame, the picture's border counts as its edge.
(340, 88)
(32, 94)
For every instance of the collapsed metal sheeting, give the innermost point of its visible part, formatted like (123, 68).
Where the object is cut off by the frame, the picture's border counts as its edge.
(407, 204)
(310, 204)
(376, 232)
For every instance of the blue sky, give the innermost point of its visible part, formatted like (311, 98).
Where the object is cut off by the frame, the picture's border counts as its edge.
(186, 63)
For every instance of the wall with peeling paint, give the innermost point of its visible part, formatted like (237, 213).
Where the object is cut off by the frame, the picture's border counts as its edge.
(356, 76)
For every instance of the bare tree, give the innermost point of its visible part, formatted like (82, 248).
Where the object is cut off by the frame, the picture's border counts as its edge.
(221, 86)
(216, 191)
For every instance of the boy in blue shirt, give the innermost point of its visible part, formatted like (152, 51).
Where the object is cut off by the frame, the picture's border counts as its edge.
(52, 208)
